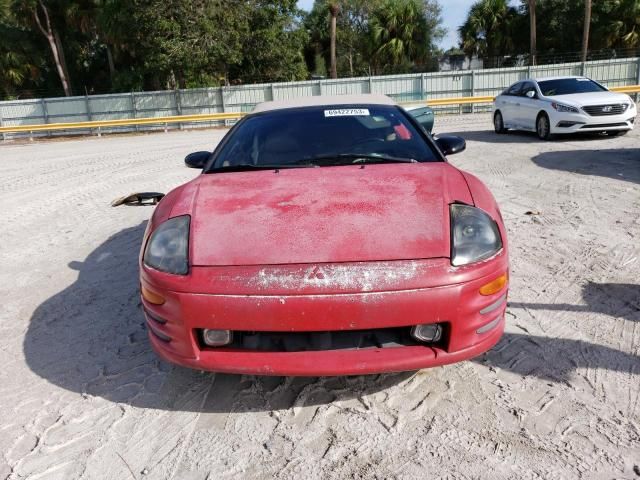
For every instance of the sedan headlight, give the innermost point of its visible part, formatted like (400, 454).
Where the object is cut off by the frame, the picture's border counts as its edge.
(168, 247)
(474, 235)
(564, 108)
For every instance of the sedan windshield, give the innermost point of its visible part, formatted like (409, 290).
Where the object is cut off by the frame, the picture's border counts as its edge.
(567, 86)
(323, 136)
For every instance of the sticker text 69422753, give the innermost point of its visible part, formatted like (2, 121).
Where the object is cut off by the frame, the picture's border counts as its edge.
(346, 112)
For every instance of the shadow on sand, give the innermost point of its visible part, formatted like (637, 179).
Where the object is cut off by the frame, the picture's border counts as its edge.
(619, 299)
(617, 163)
(489, 136)
(90, 338)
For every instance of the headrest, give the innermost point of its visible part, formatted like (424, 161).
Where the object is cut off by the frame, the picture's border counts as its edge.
(280, 143)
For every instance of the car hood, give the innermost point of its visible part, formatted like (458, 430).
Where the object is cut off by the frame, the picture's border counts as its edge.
(592, 98)
(321, 215)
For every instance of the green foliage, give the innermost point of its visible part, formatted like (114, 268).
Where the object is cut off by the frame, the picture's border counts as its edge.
(171, 43)
(614, 24)
(410, 28)
(272, 46)
(617, 23)
(489, 29)
(319, 66)
(496, 28)
(123, 45)
(22, 62)
(401, 36)
(352, 38)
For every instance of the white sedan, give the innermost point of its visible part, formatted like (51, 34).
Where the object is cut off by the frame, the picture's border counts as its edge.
(554, 105)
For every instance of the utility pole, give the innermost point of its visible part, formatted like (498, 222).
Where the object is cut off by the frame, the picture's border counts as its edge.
(532, 30)
(333, 10)
(585, 29)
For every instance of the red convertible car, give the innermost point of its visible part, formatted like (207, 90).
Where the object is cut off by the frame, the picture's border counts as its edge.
(325, 236)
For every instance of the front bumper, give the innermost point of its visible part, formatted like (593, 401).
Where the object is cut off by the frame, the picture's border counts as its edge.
(473, 322)
(329, 362)
(562, 122)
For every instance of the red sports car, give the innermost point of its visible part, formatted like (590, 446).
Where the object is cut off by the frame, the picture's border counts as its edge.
(325, 236)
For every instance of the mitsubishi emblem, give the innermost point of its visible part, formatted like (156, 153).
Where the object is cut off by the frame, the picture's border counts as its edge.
(316, 273)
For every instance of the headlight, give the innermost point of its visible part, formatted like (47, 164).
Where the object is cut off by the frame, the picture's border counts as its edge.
(475, 235)
(168, 247)
(564, 108)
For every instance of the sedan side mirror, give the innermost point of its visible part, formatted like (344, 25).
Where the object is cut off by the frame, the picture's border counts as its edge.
(196, 159)
(531, 94)
(450, 144)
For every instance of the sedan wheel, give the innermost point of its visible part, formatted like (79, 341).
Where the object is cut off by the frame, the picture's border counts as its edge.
(542, 127)
(498, 124)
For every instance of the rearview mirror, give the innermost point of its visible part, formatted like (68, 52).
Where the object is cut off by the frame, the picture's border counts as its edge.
(450, 144)
(196, 159)
(530, 94)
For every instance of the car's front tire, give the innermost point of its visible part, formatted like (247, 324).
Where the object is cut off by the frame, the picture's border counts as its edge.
(543, 126)
(498, 123)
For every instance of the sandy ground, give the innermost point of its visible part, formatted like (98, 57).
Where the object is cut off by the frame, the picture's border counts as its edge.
(83, 396)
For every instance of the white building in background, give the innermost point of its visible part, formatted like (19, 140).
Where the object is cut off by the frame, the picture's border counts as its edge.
(450, 62)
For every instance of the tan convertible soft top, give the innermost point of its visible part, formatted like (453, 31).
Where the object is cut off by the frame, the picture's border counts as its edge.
(321, 100)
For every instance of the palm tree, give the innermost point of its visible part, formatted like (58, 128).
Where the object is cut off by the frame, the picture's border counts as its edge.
(15, 70)
(399, 33)
(334, 8)
(21, 61)
(532, 30)
(622, 29)
(585, 29)
(488, 30)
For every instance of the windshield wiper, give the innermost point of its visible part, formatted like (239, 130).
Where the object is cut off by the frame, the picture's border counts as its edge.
(250, 167)
(350, 158)
(318, 161)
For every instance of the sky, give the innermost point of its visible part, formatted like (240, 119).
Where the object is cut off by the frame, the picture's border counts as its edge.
(453, 14)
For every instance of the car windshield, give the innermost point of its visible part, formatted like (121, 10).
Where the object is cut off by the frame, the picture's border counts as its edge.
(322, 136)
(567, 86)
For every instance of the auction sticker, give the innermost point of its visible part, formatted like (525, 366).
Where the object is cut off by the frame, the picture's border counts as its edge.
(346, 112)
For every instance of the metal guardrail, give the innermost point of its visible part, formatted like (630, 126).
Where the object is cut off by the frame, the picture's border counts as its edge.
(121, 123)
(439, 102)
(98, 124)
(438, 87)
(627, 89)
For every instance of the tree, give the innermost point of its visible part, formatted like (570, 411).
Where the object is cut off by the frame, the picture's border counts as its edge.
(620, 25)
(21, 64)
(36, 13)
(273, 44)
(354, 50)
(353, 43)
(489, 30)
(585, 29)
(160, 44)
(561, 30)
(400, 35)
